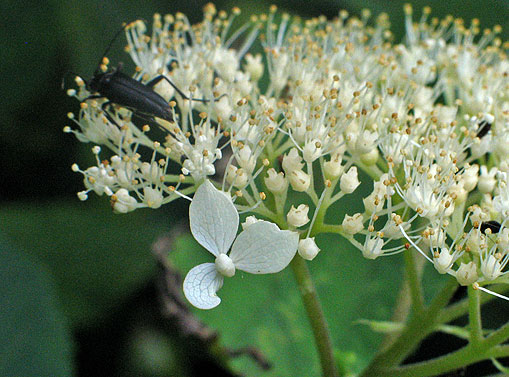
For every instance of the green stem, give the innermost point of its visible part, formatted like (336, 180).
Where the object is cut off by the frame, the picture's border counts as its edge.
(474, 316)
(315, 315)
(460, 308)
(410, 296)
(413, 278)
(326, 228)
(498, 336)
(416, 329)
(447, 363)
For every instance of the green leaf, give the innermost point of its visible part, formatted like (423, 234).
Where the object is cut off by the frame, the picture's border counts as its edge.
(265, 311)
(98, 258)
(34, 335)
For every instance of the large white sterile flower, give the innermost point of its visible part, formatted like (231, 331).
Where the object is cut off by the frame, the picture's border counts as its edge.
(262, 248)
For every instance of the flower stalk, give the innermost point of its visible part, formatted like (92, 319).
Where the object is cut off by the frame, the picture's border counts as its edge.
(316, 316)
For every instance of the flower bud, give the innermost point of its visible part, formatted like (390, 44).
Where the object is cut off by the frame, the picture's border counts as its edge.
(299, 180)
(349, 181)
(467, 273)
(308, 249)
(297, 217)
(353, 224)
(82, 195)
(371, 157)
(224, 265)
(292, 161)
(276, 182)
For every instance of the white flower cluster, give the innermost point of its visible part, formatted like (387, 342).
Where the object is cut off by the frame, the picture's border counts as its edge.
(427, 120)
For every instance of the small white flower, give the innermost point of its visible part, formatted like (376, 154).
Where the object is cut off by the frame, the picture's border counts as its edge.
(467, 273)
(349, 181)
(246, 158)
(262, 248)
(487, 180)
(299, 180)
(503, 239)
(298, 216)
(276, 182)
(366, 142)
(308, 248)
(122, 202)
(353, 224)
(312, 150)
(333, 168)
(236, 176)
(470, 177)
(491, 268)
(82, 195)
(254, 66)
(250, 220)
(152, 198)
(292, 161)
(444, 261)
(373, 248)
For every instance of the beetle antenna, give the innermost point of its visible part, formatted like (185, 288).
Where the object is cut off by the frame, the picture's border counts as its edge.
(124, 26)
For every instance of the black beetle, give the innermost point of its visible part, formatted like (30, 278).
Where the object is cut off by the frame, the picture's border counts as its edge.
(484, 128)
(492, 225)
(127, 92)
(121, 89)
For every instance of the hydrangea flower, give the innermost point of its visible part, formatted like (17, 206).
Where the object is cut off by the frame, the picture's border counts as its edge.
(262, 248)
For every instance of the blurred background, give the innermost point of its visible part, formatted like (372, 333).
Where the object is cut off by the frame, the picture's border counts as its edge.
(83, 292)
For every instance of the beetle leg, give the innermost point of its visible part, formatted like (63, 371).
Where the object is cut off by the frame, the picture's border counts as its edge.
(157, 79)
(93, 96)
(105, 107)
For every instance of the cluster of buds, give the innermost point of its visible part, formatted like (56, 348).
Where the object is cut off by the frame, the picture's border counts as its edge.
(425, 123)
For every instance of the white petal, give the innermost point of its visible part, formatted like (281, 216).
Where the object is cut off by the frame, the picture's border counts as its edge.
(263, 248)
(213, 218)
(201, 285)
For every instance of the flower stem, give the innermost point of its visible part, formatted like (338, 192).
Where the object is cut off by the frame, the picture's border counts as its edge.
(474, 315)
(418, 327)
(315, 315)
